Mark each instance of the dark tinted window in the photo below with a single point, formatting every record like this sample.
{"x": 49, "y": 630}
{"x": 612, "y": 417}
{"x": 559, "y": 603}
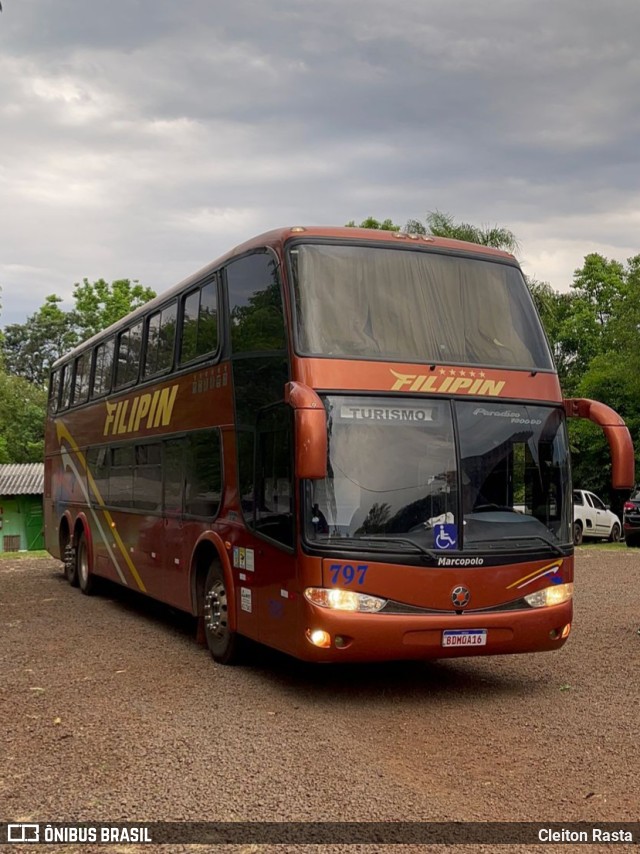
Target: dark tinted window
{"x": 173, "y": 462}
{"x": 81, "y": 379}
{"x": 255, "y": 304}
{"x": 54, "y": 390}
{"x": 65, "y": 397}
{"x": 121, "y": 476}
{"x": 98, "y": 463}
{"x": 274, "y": 476}
{"x": 203, "y": 473}
{"x": 577, "y": 498}
{"x": 161, "y": 335}
{"x": 103, "y": 368}
{"x": 128, "y": 362}
{"x": 199, "y": 323}
{"x": 147, "y": 477}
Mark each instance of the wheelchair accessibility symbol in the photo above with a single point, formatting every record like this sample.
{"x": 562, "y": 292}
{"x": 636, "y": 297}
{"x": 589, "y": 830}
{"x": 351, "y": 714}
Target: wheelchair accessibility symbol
{"x": 446, "y": 536}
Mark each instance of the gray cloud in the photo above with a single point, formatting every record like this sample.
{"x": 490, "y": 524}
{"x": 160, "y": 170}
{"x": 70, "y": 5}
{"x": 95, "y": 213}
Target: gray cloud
{"x": 143, "y": 138}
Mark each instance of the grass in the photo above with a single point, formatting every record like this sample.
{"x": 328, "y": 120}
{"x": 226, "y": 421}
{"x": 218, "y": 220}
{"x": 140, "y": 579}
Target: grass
{"x": 14, "y": 555}
{"x": 596, "y": 544}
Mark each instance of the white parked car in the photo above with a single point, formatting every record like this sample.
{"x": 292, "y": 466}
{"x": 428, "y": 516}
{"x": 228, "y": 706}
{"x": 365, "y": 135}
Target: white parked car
{"x": 592, "y": 518}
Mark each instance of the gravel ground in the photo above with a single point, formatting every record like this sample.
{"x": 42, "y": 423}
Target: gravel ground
{"x": 111, "y": 712}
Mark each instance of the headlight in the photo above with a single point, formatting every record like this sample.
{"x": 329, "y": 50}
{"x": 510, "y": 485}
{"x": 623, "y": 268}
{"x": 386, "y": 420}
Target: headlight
{"x": 344, "y": 600}
{"x": 555, "y": 595}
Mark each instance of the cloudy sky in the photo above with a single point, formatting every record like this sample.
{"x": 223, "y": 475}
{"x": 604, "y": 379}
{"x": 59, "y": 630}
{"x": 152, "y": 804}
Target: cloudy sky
{"x": 143, "y": 138}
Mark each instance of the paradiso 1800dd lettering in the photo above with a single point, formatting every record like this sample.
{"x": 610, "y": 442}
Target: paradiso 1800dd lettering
{"x": 450, "y": 384}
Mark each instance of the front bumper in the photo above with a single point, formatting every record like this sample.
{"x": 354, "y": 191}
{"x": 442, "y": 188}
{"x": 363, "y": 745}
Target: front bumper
{"x": 389, "y": 637}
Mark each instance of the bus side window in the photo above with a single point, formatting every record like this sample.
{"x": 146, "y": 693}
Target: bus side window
{"x": 54, "y": 391}
{"x": 199, "y": 322}
{"x": 65, "y": 397}
{"x": 203, "y": 479}
{"x": 81, "y": 379}
{"x": 255, "y": 304}
{"x": 98, "y": 467}
{"x": 128, "y": 360}
{"x": 161, "y": 334}
{"x": 103, "y": 368}
{"x": 274, "y": 475}
{"x": 173, "y": 453}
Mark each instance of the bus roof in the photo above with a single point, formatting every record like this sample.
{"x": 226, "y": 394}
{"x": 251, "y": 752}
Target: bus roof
{"x": 279, "y": 236}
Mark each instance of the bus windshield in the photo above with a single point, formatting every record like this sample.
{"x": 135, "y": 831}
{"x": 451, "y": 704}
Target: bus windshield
{"x": 396, "y": 474}
{"x": 414, "y": 306}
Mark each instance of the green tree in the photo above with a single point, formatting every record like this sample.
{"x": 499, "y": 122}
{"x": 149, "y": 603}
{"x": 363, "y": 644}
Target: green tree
{"x": 22, "y": 415}
{"x": 99, "y": 304}
{"x": 441, "y": 224}
{"x": 371, "y": 222}
{"x": 30, "y": 348}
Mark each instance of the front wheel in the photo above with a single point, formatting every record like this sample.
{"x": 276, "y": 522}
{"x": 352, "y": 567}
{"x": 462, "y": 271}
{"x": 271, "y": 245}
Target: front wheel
{"x": 614, "y": 536}
{"x": 577, "y": 533}
{"x": 224, "y": 644}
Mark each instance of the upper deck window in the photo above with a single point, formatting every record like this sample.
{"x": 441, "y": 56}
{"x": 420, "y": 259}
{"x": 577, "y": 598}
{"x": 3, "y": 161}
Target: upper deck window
{"x": 199, "y": 323}
{"x": 161, "y": 335}
{"x": 414, "y": 306}
{"x": 128, "y": 361}
{"x": 81, "y": 378}
{"x": 103, "y": 368}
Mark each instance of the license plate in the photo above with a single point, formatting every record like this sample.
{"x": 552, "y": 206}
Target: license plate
{"x": 464, "y": 637}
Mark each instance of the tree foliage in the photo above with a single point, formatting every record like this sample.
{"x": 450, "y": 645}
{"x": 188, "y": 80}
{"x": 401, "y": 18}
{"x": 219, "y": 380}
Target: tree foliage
{"x": 27, "y": 351}
{"x": 22, "y": 411}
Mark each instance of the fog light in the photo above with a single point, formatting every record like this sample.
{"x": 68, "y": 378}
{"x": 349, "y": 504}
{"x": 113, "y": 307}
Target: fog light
{"x": 318, "y": 637}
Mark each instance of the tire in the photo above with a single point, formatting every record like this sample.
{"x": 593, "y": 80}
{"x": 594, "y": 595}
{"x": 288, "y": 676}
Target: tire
{"x": 224, "y": 644}
{"x": 614, "y": 536}
{"x": 87, "y": 581}
{"x": 71, "y": 565}
{"x": 577, "y": 533}
{"x": 632, "y": 541}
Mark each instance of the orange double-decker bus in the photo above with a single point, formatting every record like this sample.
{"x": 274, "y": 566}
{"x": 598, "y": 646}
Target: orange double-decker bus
{"x": 346, "y": 444}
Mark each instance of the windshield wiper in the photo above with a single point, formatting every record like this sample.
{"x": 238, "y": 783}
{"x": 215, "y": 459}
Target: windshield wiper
{"x": 383, "y": 538}
{"x": 555, "y": 548}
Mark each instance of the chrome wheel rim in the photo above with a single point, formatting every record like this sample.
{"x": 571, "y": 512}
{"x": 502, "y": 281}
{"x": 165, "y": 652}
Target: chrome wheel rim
{"x": 215, "y": 610}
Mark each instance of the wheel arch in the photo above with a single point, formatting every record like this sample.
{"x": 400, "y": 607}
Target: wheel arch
{"x": 208, "y": 548}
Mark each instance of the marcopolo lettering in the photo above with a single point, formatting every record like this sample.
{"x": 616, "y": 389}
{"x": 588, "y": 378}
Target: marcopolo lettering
{"x": 460, "y": 561}
{"x": 142, "y": 412}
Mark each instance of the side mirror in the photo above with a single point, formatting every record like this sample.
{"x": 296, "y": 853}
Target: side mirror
{"x": 616, "y": 433}
{"x": 310, "y": 420}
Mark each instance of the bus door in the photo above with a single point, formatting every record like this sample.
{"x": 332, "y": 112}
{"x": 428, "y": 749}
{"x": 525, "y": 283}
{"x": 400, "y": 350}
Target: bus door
{"x": 274, "y": 521}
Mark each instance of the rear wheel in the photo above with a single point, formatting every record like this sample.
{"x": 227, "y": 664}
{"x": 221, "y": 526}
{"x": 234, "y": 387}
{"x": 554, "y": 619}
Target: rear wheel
{"x": 632, "y": 541}
{"x": 86, "y": 579}
{"x": 614, "y": 536}
{"x": 70, "y": 564}
{"x": 577, "y": 533}
{"x": 224, "y": 644}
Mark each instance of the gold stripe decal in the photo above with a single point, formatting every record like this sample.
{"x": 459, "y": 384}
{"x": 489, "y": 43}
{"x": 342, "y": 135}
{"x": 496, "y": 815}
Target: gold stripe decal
{"x": 63, "y": 434}
{"x": 537, "y": 573}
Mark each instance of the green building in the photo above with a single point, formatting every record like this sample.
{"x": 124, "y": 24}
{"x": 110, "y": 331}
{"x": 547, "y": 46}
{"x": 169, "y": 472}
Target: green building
{"x": 21, "y": 518}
